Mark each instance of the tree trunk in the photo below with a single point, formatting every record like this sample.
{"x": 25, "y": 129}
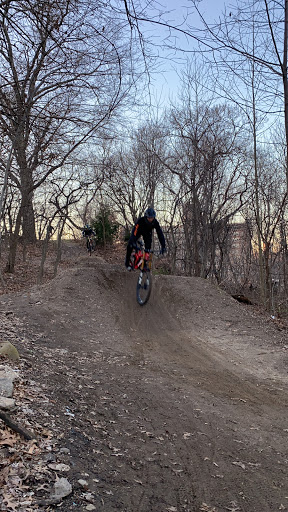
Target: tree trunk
{"x": 14, "y": 243}
{"x": 28, "y": 218}
{"x": 2, "y": 199}
{"x": 44, "y": 253}
{"x": 266, "y": 254}
{"x": 263, "y": 289}
{"x": 59, "y": 246}
{"x": 285, "y": 84}
{"x": 26, "y": 187}
{"x": 195, "y": 228}
{"x": 173, "y": 253}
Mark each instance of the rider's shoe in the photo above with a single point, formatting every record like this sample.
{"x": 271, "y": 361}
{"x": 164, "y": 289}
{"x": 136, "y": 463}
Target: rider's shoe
{"x": 129, "y": 268}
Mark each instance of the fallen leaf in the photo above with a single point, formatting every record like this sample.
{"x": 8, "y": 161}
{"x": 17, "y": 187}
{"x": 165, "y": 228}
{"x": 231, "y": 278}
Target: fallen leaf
{"x": 240, "y": 464}
{"x": 10, "y": 504}
{"x": 206, "y": 508}
{"x": 9, "y": 440}
{"x": 59, "y": 467}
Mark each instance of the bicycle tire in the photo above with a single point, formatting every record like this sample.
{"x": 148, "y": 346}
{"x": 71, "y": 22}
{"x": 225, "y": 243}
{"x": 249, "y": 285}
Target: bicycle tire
{"x": 144, "y": 286}
{"x": 89, "y": 246}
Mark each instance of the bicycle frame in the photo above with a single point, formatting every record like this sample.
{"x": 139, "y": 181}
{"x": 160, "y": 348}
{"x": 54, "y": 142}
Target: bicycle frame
{"x": 142, "y": 259}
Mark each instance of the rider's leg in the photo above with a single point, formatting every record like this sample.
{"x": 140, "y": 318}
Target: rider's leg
{"x": 128, "y": 255}
{"x": 132, "y": 241}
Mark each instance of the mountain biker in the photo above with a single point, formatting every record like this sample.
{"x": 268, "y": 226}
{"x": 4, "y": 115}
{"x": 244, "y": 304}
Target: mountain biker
{"x": 88, "y": 231}
{"x": 144, "y": 227}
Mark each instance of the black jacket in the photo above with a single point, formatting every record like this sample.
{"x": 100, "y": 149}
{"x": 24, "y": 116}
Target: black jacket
{"x": 144, "y": 228}
{"x": 88, "y": 232}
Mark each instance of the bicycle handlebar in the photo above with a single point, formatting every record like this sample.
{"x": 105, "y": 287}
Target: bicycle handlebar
{"x": 141, "y": 248}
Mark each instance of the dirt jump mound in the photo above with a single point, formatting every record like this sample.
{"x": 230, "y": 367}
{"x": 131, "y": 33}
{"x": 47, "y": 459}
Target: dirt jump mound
{"x": 179, "y": 405}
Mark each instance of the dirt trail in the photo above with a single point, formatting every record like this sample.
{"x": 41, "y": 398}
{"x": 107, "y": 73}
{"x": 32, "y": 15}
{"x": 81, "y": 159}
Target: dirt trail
{"x": 180, "y": 405}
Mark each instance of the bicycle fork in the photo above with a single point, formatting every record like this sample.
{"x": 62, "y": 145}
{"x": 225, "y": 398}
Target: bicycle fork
{"x": 146, "y": 284}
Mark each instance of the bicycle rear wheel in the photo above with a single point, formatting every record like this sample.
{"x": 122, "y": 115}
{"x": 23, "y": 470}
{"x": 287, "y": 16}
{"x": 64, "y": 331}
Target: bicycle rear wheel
{"x": 144, "y": 285}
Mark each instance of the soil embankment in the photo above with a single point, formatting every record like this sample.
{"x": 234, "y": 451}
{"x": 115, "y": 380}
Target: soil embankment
{"x": 180, "y": 405}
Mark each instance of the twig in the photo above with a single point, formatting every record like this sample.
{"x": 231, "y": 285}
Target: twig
{"x": 20, "y": 430}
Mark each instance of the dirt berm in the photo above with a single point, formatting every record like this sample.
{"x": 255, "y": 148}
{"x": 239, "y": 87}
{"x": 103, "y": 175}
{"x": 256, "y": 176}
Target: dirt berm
{"x": 180, "y": 405}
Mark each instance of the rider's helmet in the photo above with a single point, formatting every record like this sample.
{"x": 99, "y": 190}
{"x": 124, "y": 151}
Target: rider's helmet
{"x": 150, "y": 213}
{"x": 86, "y": 226}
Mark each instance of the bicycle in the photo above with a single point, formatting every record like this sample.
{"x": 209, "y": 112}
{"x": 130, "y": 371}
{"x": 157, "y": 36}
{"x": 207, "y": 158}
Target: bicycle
{"x": 90, "y": 244}
{"x": 141, "y": 259}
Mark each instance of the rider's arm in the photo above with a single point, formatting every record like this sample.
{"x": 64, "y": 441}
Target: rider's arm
{"x": 135, "y": 230}
{"x": 160, "y": 234}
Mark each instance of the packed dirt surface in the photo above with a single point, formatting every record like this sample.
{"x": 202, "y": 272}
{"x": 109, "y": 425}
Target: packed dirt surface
{"x": 180, "y": 405}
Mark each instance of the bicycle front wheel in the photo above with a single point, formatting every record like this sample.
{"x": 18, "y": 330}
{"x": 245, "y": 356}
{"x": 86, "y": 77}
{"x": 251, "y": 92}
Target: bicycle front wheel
{"x": 144, "y": 285}
{"x": 89, "y": 247}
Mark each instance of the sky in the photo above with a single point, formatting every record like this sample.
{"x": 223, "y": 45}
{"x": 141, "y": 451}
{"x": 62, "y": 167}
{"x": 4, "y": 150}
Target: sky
{"x": 211, "y": 8}
{"x": 166, "y": 81}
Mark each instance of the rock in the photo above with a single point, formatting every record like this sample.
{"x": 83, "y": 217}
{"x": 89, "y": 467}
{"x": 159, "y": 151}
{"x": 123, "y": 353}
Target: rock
{"x": 83, "y": 483}
{"x": 6, "y": 387}
{"x": 90, "y": 507}
{"x": 7, "y": 403}
{"x": 59, "y": 467}
{"x": 89, "y": 496}
{"x": 7, "y": 377}
{"x": 64, "y": 450}
{"x": 6, "y": 370}
{"x": 8, "y": 350}
{"x": 62, "y": 488}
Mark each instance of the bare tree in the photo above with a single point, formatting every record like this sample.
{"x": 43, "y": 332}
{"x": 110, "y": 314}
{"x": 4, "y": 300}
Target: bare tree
{"x": 65, "y": 68}
{"x": 208, "y": 161}
{"x": 272, "y": 203}
{"x": 64, "y": 194}
{"x": 134, "y": 171}
{"x": 255, "y": 32}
